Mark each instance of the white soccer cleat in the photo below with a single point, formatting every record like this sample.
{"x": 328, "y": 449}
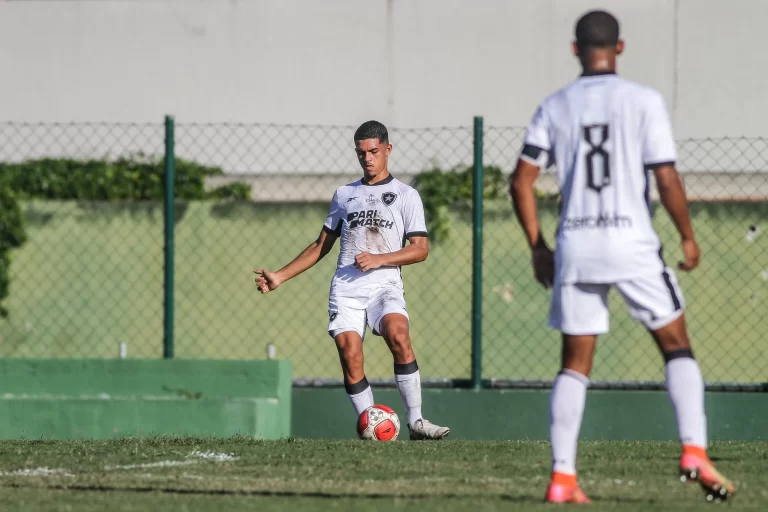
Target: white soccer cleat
{"x": 423, "y": 429}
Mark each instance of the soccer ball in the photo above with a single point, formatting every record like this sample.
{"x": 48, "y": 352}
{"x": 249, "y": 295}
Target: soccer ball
{"x": 378, "y": 423}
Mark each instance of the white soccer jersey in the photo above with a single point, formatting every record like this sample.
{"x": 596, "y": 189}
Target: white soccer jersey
{"x": 376, "y": 219}
{"x": 604, "y": 134}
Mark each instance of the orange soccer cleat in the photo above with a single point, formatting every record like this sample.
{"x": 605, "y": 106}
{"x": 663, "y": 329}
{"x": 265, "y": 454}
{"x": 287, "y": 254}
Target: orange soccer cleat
{"x": 695, "y": 466}
{"x": 563, "y": 488}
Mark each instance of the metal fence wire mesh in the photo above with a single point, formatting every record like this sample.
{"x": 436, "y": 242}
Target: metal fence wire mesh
{"x": 726, "y": 183}
{"x": 90, "y": 275}
{"x": 294, "y": 171}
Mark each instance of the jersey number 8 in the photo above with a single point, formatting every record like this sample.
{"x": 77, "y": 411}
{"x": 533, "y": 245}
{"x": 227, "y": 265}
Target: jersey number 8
{"x": 597, "y": 159}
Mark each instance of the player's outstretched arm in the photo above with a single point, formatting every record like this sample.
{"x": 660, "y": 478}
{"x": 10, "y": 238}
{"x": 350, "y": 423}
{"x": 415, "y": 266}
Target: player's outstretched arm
{"x": 268, "y": 281}
{"x": 416, "y": 251}
{"x": 672, "y": 196}
{"x": 524, "y": 201}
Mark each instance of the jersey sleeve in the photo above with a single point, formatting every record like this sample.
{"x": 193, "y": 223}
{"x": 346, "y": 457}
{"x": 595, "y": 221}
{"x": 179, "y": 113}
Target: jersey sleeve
{"x": 332, "y": 222}
{"x": 537, "y": 146}
{"x": 413, "y": 216}
{"x": 658, "y": 143}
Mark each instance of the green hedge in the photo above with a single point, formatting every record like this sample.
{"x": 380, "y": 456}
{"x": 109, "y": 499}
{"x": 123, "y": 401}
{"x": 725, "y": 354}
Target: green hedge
{"x": 11, "y": 235}
{"x": 440, "y": 189}
{"x": 136, "y": 177}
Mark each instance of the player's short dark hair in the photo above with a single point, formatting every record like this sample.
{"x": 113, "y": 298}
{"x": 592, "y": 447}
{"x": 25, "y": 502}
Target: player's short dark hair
{"x": 372, "y": 130}
{"x": 597, "y": 29}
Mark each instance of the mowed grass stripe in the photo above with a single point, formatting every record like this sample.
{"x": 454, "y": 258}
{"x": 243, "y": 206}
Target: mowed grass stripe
{"x": 436, "y": 476}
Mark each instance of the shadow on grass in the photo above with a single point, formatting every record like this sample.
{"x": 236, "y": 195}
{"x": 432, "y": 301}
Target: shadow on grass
{"x": 285, "y": 494}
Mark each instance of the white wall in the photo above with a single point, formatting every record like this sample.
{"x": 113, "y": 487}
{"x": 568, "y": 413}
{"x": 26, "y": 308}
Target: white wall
{"x": 409, "y": 63}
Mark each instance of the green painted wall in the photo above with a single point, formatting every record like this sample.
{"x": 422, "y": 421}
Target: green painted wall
{"x": 524, "y": 414}
{"x": 98, "y": 398}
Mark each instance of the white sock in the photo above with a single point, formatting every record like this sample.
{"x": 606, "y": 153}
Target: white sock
{"x": 361, "y": 395}
{"x": 569, "y": 394}
{"x": 686, "y": 390}
{"x": 409, "y": 385}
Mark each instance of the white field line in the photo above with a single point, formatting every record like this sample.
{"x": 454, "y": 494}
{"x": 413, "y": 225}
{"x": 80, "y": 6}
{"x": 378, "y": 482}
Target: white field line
{"x": 45, "y": 471}
{"x": 159, "y": 464}
{"x": 218, "y": 457}
{"x": 194, "y": 457}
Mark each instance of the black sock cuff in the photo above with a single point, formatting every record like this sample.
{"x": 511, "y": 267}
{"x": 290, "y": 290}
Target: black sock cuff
{"x": 678, "y": 354}
{"x": 357, "y": 387}
{"x": 407, "y": 368}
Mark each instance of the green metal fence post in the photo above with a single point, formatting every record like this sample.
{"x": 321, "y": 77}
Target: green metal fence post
{"x": 170, "y": 174}
{"x": 477, "y": 255}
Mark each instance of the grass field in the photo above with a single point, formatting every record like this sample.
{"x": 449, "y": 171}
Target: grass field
{"x": 91, "y": 277}
{"x": 173, "y": 474}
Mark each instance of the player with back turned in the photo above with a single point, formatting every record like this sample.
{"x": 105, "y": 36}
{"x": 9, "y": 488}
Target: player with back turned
{"x": 605, "y": 134}
{"x": 373, "y": 217}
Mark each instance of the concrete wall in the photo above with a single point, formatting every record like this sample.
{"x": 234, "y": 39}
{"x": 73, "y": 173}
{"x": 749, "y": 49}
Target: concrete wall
{"x": 409, "y": 63}
{"x": 107, "y": 398}
{"x": 524, "y": 414}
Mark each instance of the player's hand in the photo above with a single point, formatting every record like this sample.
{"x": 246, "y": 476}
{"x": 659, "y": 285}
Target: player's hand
{"x": 692, "y": 255}
{"x": 366, "y": 261}
{"x": 544, "y": 264}
{"x": 266, "y": 281}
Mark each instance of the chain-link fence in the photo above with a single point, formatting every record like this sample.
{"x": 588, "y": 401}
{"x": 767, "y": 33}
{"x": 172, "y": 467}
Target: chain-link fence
{"x": 90, "y": 275}
{"x": 294, "y": 171}
{"x": 726, "y": 184}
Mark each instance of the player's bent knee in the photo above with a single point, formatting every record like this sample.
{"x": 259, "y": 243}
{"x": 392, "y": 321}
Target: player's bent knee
{"x": 402, "y": 339}
{"x": 400, "y": 343}
{"x": 351, "y": 357}
{"x": 351, "y": 352}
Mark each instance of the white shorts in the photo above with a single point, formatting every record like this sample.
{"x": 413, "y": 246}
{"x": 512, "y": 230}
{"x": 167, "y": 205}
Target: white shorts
{"x": 582, "y": 308}
{"x": 350, "y": 314}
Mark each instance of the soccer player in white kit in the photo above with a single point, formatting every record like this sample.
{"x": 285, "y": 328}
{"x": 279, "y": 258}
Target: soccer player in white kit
{"x": 374, "y": 217}
{"x": 605, "y": 134}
